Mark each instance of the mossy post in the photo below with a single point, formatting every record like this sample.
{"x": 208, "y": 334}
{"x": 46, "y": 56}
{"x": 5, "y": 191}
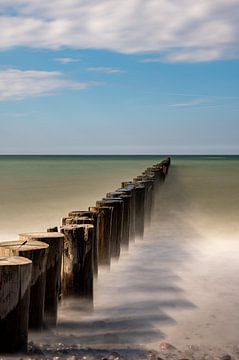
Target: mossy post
{"x": 15, "y": 283}
{"x": 77, "y": 274}
{"x": 103, "y": 233}
{"x": 55, "y": 240}
{"x": 37, "y": 252}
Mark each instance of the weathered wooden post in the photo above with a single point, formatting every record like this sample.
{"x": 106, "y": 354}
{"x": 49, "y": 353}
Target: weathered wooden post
{"x": 156, "y": 184}
{"x": 52, "y": 229}
{"x": 104, "y": 226}
{"x": 77, "y": 275}
{"x": 148, "y": 197}
{"x": 162, "y": 168}
{"x": 166, "y": 163}
{"x": 15, "y": 282}
{"x": 73, "y": 215}
{"x": 150, "y": 179}
{"x": 155, "y": 171}
{"x": 126, "y": 215}
{"x": 85, "y": 217}
{"x": 139, "y": 207}
{"x": 117, "y": 223}
{"x": 77, "y": 213}
{"x": 129, "y": 189}
{"x": 55, "y": 240}
{"x": 160, "y": 172}
{"x": 35, "y": 251}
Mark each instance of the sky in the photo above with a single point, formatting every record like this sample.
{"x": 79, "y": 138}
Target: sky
{"x": 119, "y": 77}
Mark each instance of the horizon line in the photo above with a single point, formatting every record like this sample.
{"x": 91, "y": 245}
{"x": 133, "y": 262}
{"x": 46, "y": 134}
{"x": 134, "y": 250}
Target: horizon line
{"x": 168, "y": 155}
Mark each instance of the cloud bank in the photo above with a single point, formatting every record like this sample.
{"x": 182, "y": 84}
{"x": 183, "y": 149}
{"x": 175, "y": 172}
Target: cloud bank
{"x": 177, "y": 30}
{"x": 17, "y": 84}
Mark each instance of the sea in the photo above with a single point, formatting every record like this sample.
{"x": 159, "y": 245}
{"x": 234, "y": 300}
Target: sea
{"x": 179, "y": 285}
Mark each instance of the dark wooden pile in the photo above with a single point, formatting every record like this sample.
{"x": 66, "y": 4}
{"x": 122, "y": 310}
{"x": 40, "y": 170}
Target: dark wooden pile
{"x": 39, "y": 269}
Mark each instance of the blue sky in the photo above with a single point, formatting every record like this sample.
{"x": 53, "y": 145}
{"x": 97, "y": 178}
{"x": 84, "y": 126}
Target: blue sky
{"x": 93, "y": 77}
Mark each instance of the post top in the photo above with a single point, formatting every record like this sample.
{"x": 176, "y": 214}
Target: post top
{"x": 77, "y": 226}
{"x": 111, "y": 200}
{"x": 117, "y": 193}
{"x": 83, "y": 218}
{"x": 40, "y": 235}
{"x": 14, "y": 260}
{"x": 21, "y": 245}
{"x": 105, "y": 207}
{"x": 79, "y": 213}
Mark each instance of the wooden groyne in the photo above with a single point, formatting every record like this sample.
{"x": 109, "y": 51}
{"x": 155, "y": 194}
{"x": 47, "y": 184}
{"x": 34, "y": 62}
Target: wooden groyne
{"x": 42, "y": 268}
{"x": 55, "y": 241}
{"x": 37, "y": 252}
{"x": 15, "y": 275}
{"x": 77, "y": 271}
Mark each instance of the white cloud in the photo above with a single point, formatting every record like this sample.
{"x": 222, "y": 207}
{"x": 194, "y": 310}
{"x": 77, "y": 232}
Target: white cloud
{"x": 67, "y": 60}
{"x": 192, "y": 103}
{"x": 18, "y": 84}
{"x": 105, "y": 70}
{"x": 189, "y": 55}
{"x": 178, "y": 30}
{"x": 207, "y": 102}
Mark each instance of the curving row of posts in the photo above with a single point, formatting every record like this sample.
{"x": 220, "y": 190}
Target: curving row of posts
{"x": 40, "y": 269}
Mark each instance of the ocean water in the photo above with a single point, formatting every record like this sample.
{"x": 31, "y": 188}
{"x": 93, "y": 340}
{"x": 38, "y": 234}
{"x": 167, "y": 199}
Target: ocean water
{"x": 37, "y": 191}
{"x": 180, "y": 284}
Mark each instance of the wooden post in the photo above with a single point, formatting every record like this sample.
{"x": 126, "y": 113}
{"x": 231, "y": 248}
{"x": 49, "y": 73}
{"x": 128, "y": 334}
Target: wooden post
{"x": 148, "y": 197}
{"x": 77, "y": 276}
{"x": 15, "y": 282}
{"x": 85, "y": 217}
{"x": 117, "y": 223}
{"x": 104, "y": 226}
{"x": 35, "y": 251}
{"x": 160, "y": 171}
{"x": 155, "y": 171}
{"x": 130, "y": 190}
{"x": 139, "y": 207}
{"x": 126, "y": 215}
{"x": 151, "y": 192}
{"x": 55, "y": 240}
{"x": 76, "y": 213}
{"x": 53, "y": 229}
{"x": 78, "y": 220}
{"x": 152, "y": 175}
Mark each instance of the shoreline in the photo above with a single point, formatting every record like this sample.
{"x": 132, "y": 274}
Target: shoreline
{"x": 165, "y": 351}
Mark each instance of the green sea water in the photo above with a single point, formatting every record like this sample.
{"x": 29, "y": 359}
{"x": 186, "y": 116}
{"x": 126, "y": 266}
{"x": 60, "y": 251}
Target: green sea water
{"x": 36, "y": 191}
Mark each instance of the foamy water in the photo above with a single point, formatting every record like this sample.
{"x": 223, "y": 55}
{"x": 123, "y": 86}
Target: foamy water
{"x": 180, "y": 284}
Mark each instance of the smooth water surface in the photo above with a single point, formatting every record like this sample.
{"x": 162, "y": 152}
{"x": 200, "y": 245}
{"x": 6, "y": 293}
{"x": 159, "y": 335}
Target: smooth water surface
{"x": 37, "y": 191}
{"x": 180, "y": 284}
